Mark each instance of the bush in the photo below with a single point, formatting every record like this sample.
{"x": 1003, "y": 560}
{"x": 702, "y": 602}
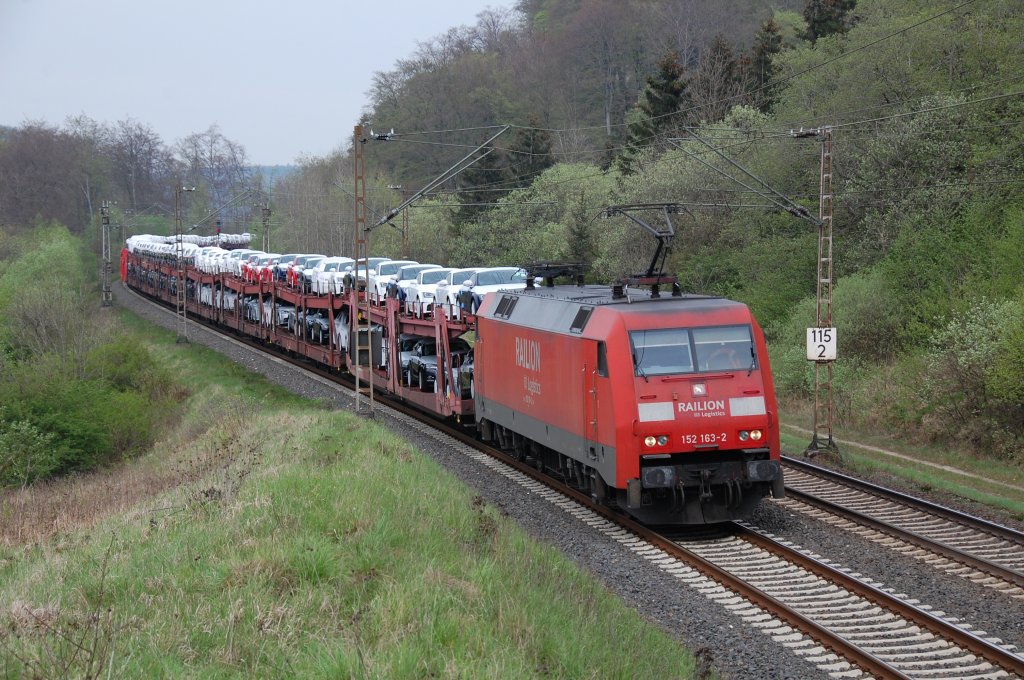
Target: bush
{"x": 794, "y": 375}
{"x": 864, "y": 310}
{"x": 971, "y": 360}
{"x": 887, "y": 396}
{"x": 865, "y": 330}
{"x": 26, "y": 453}
{"x": 127, "y": 366}
{"x": 115, "y": 412}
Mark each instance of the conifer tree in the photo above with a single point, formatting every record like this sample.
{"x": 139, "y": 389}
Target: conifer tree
{"x": 664, "y": 95}
{"x": 580, "y": 247}
{"x": 763, "y": 69}
{"x": 825, "y": 17}
{"x": 529, "y": 152}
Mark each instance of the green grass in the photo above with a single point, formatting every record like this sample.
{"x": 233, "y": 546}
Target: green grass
{"x": 308, "y": 543}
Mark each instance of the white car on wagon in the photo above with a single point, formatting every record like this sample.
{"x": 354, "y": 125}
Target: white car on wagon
{"x": 446, "y": 293}
{"x": 489, "y": 280}
{"x": 377, "y": 287}
{"x": 419, "y": 297}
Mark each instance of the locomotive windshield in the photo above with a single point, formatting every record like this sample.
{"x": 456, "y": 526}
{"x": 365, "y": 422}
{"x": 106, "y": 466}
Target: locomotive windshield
{"x": 669, "y": 351}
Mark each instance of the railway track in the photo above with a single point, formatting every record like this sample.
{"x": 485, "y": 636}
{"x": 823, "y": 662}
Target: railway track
{"x": 985, "y": 553}
{"x": 841, "y": 623}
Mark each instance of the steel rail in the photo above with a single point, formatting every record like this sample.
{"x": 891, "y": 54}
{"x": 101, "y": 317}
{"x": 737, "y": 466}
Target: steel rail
{"x": 999, "y": 530}
{"x": 983, "y": 648}
{"x": 937, "y": 547}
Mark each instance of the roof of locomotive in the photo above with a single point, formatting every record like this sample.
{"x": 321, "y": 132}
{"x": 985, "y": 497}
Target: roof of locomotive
{"x": 566, "y": 309}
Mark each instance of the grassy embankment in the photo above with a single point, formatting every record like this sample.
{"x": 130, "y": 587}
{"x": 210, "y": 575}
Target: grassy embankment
{"x": 267, "y": 536}
{"x": 991, "y": 482}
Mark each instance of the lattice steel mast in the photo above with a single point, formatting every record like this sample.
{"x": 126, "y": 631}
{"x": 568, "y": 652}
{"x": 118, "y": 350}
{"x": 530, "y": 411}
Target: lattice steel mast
{"x": 362, "y": 342}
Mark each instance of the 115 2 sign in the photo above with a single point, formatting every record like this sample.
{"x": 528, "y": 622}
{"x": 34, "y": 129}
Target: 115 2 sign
{"x": 821, "y": 344}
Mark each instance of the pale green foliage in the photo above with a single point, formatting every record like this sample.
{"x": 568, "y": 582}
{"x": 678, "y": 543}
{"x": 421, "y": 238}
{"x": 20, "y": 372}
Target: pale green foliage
{"x": 1000, "y": 230}
{"x": 1004, "y": 376}
{"x": 43, "y": 295}
{"x": 866, "y": 330}
{"x": 430, "y": 232}
{"x": 794, "y": 375}
{"x": 966, "y": 345}
{"x": 792, "y": 25}
{"x": 961, "y": 360}
{"x": 867, "y": 317}
{"x": 746, "y": 119}
{"x": 47, "y": 258}
{"x": 26, "y": 452}
{"x": 533, "y": 224}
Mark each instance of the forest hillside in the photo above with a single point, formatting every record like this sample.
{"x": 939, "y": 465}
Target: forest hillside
{"x": 692, "y": 102}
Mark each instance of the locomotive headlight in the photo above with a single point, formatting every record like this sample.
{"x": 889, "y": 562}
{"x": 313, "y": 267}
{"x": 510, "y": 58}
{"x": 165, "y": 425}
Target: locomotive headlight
{"x": 662, "y": 440}
{"x": 744, "y": 436}
{"x": 756, "y": 435}
{"x": 650, "y": 441}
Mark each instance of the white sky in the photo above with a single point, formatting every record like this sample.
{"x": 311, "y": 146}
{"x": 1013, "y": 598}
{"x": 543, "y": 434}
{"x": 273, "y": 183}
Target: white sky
{"x": 283, "y": 78}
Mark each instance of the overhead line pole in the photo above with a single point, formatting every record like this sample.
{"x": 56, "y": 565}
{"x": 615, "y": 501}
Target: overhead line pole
{"x": 265, "y": 215}
{"x": 107, "y": 295}
{"x": 179, "y": 253}
{"x": 361, "y": 240}
{"x": 823, "y": 335}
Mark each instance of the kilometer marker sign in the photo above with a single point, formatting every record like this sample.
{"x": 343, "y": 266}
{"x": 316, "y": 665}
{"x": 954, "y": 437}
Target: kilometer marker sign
{"x": 821, "y": 344}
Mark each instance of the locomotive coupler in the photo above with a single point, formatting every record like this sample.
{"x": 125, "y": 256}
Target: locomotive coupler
{"x": 705, "y": 484}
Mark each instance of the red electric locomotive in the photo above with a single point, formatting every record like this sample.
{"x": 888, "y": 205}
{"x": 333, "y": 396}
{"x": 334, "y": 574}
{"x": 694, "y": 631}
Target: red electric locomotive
{"x": 663, "y": 405}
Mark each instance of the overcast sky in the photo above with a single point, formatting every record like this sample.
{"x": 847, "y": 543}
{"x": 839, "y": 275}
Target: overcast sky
{"x": 282, "y": 78}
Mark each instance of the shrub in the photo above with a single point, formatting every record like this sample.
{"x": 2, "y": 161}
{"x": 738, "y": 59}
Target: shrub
{"x": 865, "y": 312}
{"x": 26, "y": 453}
{"x": 126, "y": 365}
{"x": 887, "y": 396}
{"x": 87, "y": 422}
{"x": 971, "y": 359}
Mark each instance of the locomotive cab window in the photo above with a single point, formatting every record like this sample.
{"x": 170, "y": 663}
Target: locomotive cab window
{"x": 661, "y": 352}
{"x": 670, "y": 351}
{"x": 724, "y": 348}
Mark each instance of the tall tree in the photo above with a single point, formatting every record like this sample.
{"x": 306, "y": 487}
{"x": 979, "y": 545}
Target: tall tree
{"x": 664, "y": 96}
{"x": 529, "y": 152}
{"x": 142, "y": 164}
{"x": 38, "y": 177}
{"x": 214, "y": 162}
{"x": 580, "y": 246}
{"x": 825, "y": 17}
{"x": 718, "y": 84}
{"x": 763, "y": 69}
{"x": 91, "y": 139}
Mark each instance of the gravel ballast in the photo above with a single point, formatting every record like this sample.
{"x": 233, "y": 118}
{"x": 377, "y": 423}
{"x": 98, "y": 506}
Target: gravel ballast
{"x": 733, "y": 648}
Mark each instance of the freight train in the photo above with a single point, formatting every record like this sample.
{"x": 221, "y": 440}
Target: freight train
{"x": 660, "y": 405}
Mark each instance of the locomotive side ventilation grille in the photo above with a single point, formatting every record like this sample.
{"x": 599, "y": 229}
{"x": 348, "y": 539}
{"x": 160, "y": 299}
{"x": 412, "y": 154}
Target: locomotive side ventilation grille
{"x": 582, "y": 317}
{"x": 505, "y": 306}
